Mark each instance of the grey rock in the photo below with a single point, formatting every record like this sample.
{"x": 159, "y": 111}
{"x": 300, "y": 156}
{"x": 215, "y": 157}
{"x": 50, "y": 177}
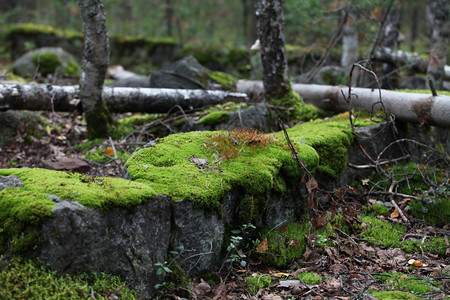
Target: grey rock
{"x": 10, "y": 181}
{"x": 121, "y": 242}
{"x": 24, "y": 65}
{"x": 200, "y": 235}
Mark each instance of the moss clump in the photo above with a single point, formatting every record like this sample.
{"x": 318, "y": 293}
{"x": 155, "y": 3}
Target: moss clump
{"x": 237, "y": 159}
{"x": 393, "y": 295}
{"x": 227, "y": 81}
{"x": 214, "y": 118}
{"x": 99, "y": 121}
{"x": 47, "y": 62}
{"x": 382, "y": 233}
{"x": 72, "y": 68}
{"x": 285, "y": 244}
{"x": 26, "y": 279}
{"x": 330, "y": 139}
{"x": 299, "y": 110}
{"x": 251, "y": 208}
{"x": 21, "y": 212}
{"x": 410, "y": 284}
{"x": 98, "y": 193}
{"x": 310, "y": 278}
{"x": 434, "y": 211}
{"x": 257, "y": 282}
{"x": 376, "y": 210}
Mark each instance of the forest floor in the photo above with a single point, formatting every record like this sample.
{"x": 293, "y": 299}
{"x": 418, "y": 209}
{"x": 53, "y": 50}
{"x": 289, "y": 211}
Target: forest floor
{"x": 345, "y": 267}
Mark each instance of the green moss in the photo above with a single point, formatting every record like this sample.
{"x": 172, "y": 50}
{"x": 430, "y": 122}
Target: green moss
{"x": 21, "y": 212}
{"x": 376, "y": 210}
{"x": 310, "y": 277}
{"x": 434, "y": 211}
{"x": 99, "y": 121}
{"x": 227, "y": 81}
{"x": 99, "y": 193}
{"x": 285, "y": 244}
{"x": 409, "y": 284}
{"x": 47, "y": 62}
{"x": 382, "y": 233}
{"x": 72, "y": 68}
{"x": 330, "y": 139}
{"x": 26, "y": 279}
{"x": 257, "y": 282}
{"x": 298, "y": 110}
{"x": 215, "y": 118}
{"x": 235, "y": 160}
{"x": 393, "y": 295}
{"x": 251, "y": 208}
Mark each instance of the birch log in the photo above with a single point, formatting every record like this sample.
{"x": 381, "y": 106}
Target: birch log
{"x": 145, "y": 100}
{"x": 410, "y": 107}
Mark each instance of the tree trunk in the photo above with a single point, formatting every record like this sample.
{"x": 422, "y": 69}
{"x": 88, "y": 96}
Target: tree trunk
{"x": 440, "y": 38}
{"x": 144, "y": 100}
{"x": 390, "y": 41}
{"x": 270, "y": 27}
{"x": 408, "y": 60}
{"x": 350, "y": 43}
{"x": 95, "y": 63}
{"x": 410, "y": 107}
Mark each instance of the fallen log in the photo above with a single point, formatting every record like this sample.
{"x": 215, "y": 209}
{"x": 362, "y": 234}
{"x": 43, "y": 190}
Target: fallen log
{"x": 410, "y": 107}
{"x": 409, "y": 60}
{"x": 145, "y": 100}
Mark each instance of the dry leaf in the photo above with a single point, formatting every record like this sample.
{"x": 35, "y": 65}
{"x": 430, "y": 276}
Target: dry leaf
{"x": 109, "y": 151}
{"x": 416, "y": 263}
{"x": 262, "y": 247}
{"x": 395, "y": 213}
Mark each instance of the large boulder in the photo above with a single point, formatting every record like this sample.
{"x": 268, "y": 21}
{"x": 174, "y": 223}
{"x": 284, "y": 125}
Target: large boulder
{"x": 44, "y": 61}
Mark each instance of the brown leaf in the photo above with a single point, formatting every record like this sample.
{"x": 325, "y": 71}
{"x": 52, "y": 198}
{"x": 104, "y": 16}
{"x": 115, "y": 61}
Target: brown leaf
{"x": 312, "y": 185}
{"x": 262, "y": 247}
{"x": 395, "y": 213}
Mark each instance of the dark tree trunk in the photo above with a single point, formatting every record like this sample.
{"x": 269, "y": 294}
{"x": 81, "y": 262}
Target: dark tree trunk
{"x": 390, "y": 41}
{"x": 270, "y": 28}
{"x": 440, "y": 37}
{"x": 95, "y": 63}
{"x": 169, "y": 17}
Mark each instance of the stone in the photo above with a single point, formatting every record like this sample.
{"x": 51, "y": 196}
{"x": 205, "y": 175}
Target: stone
{"x": 10, "y": 181}
{"x": 121, "y": 242}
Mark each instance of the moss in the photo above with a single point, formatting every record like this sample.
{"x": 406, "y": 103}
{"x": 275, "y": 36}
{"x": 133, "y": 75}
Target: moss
{"x": 330, "y": 139}
{"x": 27, "y": 279}
{"x": 215, "y": 118}
{"x": 47, "y": 62}
{"x": 310, "y": 277}
{"x": 227, "y": 81}
{"x": 435, "y": 211}
{"x": 376, "y": 210}
{"x": 285, "y": 244}
{"x": 298, "y": 110}
{"x": 21, "y": 212}
{"x": 410, "y": 284}
{"x": 251, "y": 208}
{"x": 382, "y": 233}
{"x": 98, "y": 193}
{"x": 237, "y": 159}
{"x": 257, "y": 282}
{"x": 393, "y": 295}
{"x": 72, "y": 68}
{"x": 99, "y": 121}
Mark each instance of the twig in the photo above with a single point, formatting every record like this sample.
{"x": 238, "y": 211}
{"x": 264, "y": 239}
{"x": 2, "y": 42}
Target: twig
{"x": 113, "y": 147}
{"x": 432, "y": 88}
{"x": 301, "y": 165}
{"x": 394, "y": 183}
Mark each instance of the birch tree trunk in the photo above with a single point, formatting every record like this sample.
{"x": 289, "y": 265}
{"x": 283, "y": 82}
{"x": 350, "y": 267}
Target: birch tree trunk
{"x": 95, "y": 64}
{"x": 439, "y": 11}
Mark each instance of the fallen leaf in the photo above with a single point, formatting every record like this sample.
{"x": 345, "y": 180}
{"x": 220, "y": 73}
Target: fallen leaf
{"x": 109, "y": 151}
{"x": 289, "y": 283}
{"x": 395, "y": 213}
{"x": 262, "y": 247}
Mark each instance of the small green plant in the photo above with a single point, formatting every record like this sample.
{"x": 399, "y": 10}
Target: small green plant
{"x": 309, "y": 278}
{"x": 257, "y": 282}
{"x": 235, "y": 254}
{"x": 171, "y": 272}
